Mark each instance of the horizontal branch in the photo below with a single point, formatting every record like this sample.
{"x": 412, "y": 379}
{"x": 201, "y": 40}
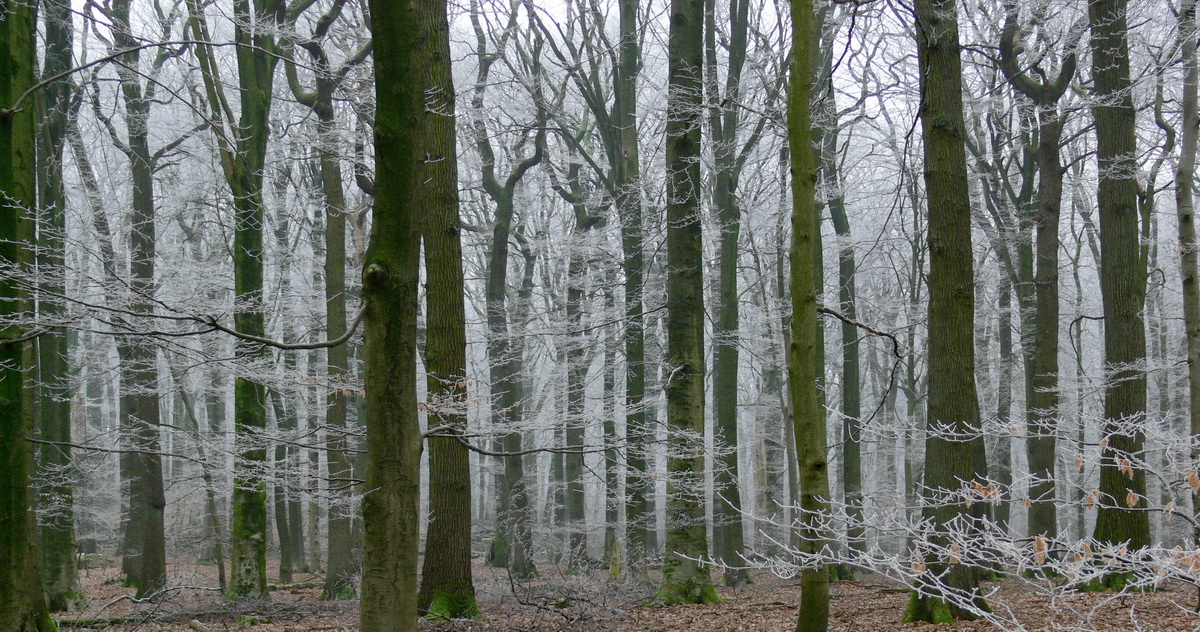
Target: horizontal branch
{"x": 867, "y": 328}
{"x": 288, "y": 346}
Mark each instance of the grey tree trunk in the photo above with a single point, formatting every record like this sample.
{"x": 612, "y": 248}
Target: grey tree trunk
{"x": 145, "y": 544}
{"x": 1186, "y": 209}
{"x": 510, "y": 546}
{"x": 724, "y": 118}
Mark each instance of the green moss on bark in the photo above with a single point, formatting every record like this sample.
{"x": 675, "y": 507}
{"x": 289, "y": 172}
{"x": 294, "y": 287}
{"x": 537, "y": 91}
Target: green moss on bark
{"x": 926, "y": 609}
{"x": 452, "y": 604}
{"x": 687, "y": 591}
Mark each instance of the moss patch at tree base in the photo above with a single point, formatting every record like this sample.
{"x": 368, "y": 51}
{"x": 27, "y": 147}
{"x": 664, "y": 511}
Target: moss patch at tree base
{"x": 1115, "y": 582}
{"x": 930, "y": 609}
{"x": 675, "y": 593}
{"x": 841, "y": 573}
{"x": 449, "y": 605}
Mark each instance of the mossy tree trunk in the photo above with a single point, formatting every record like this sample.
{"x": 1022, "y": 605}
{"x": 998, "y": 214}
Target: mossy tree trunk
{"x": 22, "y": 603}
{"x": 60, "y": 574}
{"x": 391, "y": 507}
{"x": 1122, "y": 516}
{"x": 685, "y": 578}
{"x": 243, "y": 146}
{"x": 953, "y": 402}
{"x": 446, "y": 586}
{"x": 804, "y": 371}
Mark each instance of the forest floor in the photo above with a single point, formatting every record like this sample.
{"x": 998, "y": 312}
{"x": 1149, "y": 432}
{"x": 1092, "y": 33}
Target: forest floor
{"x": 560, "y": 603}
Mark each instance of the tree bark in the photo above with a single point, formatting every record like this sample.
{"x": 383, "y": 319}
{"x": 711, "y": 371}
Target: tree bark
{"x": 852, "y": 486}
{"x": 22, "y": 604}
{"x": 953, "y": 402}
{"x": 339, "y": 574}
{"x": 804, "y": 370}
{"x": 685, "y": 579}
{"x": 446, "y": 587}
{"x": 723, "y": 123}
{"x": 60, "y": 574}
{"x": 511, "y": 545}
{"x": 243, "y": 154}
{"x": 1121, "y": 516}
{"x": 1185, "y": 206}
{"x": 1042, "y": 398}
{"x": 639, "y": 490}
{"x": 145, "y": 541}
{"x": 391, "y": 507}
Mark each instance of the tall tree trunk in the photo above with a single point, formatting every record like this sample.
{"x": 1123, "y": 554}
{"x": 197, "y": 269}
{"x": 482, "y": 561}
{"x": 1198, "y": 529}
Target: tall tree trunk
{"x": 289, "y": 524}
{"x": 22, "y": 603}
{"x": 446, "y": 587}
{"x": 852, "y": 485}
{"x": 639, "y": 486}
{"x": 1042, "y": 395}
{"x": 1002, "y": 456}
{"x": 723, "y": 123}
{"x": 612, "y": 472}
{"x": 1122, "y": 516}
{"x": 60, "y": 574}
{"x": 511, "y": 545}
{"x": 1186, "y": 208}
{"x": 685, "y": 579}
{"x": 283, "y": 473}
{"x": 391, "y": 509}
{"x": 243, "y": 150}
{"x": 145, "y": 538}
{"x": 575, "y": 528}
{"x": 249, "y": 553}
{"x": 1042, "y": 398}
{"x": 953, "y": 402}
{"x": 804, "y": 370}
{"x": 340, "y": 569}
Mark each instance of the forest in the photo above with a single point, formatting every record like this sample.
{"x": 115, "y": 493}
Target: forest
{"x": 631, "y": 315}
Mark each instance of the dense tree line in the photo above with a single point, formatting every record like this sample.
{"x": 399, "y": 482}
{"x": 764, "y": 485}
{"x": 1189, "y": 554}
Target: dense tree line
{"x": 660, "y": 288}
